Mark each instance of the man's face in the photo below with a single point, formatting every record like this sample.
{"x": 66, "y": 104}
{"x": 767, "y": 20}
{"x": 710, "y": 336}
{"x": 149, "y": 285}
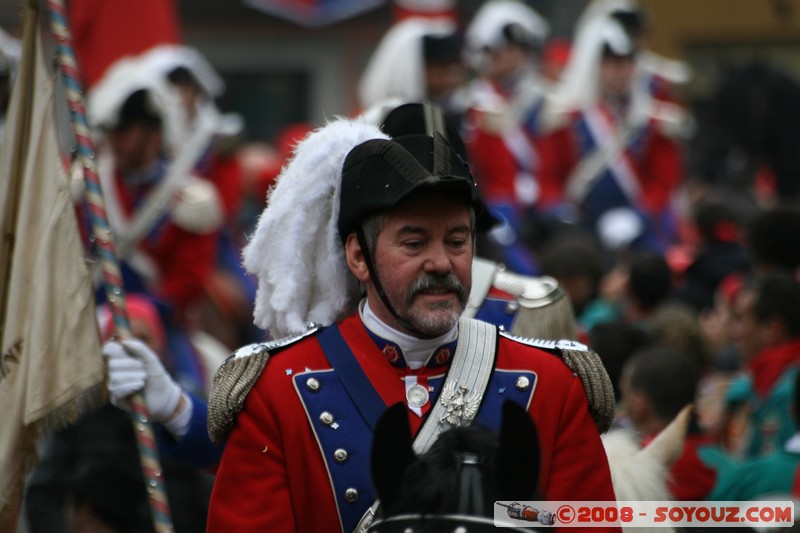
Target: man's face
{"x": 190, "y": 98}
{"x": 134, "y": 147}
{"x": 506, "y": 61}
{"x": 746, "y": 331}
{"x": 616, "y": 75}
{"x": 442, "y": 80}
{"x": 423, "y": 257}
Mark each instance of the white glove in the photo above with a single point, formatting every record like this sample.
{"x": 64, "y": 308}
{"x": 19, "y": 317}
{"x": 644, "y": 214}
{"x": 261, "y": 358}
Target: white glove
{"x": 132, "y": 366}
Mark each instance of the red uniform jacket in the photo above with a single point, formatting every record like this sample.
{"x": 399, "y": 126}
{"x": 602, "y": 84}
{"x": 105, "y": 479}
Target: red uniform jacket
{"x": 498, "y": 138}
{"x": 184, "y": 260}
{"x": 278, "y": 472}
{"x": 655, "y": 160}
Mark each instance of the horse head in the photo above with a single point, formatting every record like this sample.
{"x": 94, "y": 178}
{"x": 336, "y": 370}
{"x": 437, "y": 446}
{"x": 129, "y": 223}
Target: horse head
{"x": 640, "y": 474}
{"x": 464, "y": 472}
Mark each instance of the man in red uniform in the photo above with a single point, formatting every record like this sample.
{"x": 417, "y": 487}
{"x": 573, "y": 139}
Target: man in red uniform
{"x": 502, "y": 109}
{"x": 612, "y": 159}
{"x": 397, "y": 217}
{"x": 175, "y": 256}
{"x": 165, "y": 219}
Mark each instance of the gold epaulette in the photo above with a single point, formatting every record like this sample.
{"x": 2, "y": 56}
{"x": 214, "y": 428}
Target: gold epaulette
{"x": 236, "y": 378}
{"x": 586, "y": 364}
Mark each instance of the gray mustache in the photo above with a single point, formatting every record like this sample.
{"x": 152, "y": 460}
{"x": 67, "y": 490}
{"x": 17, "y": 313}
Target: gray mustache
{"x": 431, "y": 282}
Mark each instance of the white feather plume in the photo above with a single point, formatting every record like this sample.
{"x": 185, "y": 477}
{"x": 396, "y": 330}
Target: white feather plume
{"x": 126, "y": 76}
{"x": 579, "y": 82}
{"x": 396, "y": 68}
{"x": 486, "y": 29}
{"x": 165, "y": 58}
{"x": 296, "y": 251}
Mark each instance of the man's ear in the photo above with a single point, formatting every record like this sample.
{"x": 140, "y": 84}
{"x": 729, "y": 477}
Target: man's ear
{"x": 354, "y": 255}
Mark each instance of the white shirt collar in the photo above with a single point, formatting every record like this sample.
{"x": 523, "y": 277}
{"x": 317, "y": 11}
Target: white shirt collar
{"x": 416, "y": 351}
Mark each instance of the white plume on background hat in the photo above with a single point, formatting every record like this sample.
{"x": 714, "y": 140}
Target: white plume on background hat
{"x": 296, "y": 252}
{"x": 602, "y": 9}
{"x": 163, "y": 59}
{"x": 486, "y": 29}
{"x": 579, "y": 85}
{"x": 167, "y": 57}
{"x": 672, "y": 70}
{"x": 397, "y": 67}
{"x": 596, "y": 28}
{"x": 121, "y": 80}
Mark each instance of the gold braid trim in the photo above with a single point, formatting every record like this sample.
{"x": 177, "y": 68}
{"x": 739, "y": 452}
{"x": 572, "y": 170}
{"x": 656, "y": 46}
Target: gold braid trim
{"x": 235, "y": 379}
{"x": 583, "y": 362}
{"x": 596, "y": 383}
{"x": 232, "y": 383}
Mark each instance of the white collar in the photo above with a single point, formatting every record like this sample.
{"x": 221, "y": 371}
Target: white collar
{"x": 415, "y": 351}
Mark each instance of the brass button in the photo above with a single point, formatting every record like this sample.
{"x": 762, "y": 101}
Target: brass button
{"x": 351, "y": 495}
{"x": 326, "y": 418}
{"x": 340, "y": 455}
{"x": 312, "y": 384}
{"x": 522, "y": 383}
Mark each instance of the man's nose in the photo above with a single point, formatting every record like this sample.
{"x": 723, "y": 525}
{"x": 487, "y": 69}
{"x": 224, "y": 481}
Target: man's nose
{"x": 438, "y": 261}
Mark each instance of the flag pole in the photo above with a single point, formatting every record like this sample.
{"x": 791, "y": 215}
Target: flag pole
{"x": 101, "y": 233}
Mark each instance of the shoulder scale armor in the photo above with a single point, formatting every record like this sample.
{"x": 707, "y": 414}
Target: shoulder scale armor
{"x": 235, "y": 379}
{"x": 583, "y": 362}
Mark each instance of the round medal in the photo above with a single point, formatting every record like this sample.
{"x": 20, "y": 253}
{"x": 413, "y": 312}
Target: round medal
{"x": 417, "y": 395}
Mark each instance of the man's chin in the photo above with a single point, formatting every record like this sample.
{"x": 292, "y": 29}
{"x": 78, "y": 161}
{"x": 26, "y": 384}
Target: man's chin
{"x": 436, "y": 322}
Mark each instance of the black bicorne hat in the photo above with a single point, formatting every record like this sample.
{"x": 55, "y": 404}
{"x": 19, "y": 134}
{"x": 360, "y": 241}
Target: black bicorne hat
{"x": 415, "y": 118}
{"x": 440, "y": 49}
{"x": 379, "y": 174}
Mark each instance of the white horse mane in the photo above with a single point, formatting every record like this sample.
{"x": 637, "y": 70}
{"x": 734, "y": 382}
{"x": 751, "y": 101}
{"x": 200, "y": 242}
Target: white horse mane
{"x": 640, "y": 474}
{"x": 636, "y": 477}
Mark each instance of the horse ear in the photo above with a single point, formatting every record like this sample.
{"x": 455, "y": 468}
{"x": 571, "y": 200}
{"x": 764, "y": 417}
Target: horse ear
{"x": 517, "y": 458}
{"x": 667, "y": 446}
{"x": 392, "y": 453}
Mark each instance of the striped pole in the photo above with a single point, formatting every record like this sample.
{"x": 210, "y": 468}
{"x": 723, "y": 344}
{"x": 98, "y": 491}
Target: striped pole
{"x": 101, "y": 232}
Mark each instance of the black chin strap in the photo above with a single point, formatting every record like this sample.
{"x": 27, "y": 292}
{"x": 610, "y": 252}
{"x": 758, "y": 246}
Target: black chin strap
{"x": 376, "y": 281}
